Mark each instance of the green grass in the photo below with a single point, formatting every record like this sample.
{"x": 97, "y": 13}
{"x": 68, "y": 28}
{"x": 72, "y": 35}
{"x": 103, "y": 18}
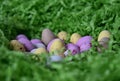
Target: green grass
{"x": 86, "y": 17}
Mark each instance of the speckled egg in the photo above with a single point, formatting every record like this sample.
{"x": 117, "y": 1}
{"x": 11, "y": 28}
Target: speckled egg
{"x": 21, "y": 36}
{"x": 103, "y": 34}
{"x": 47, "y": 36}
{"x": 62, "y": 35}
{"x": 74, "y": 38}
{"x": 56, "y": 45}
{"x": 27, "y": 44}
{"x": 74, "y": 49}
{"x": 84, "y": 43}
{"x": 40, "y": 51}
{"x": 17, "y": 46}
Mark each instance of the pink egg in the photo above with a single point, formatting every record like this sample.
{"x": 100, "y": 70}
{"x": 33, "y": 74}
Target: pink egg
{"x": 28, "y": 45}
{"x": 73, "y": 48}
{"x": 84, "y": 43}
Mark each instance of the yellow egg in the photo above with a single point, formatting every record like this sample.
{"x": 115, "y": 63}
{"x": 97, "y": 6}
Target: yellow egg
{"x": 103, "y": 34}
{"x": 40, "y": 51}
{"x": 75, "y": 37}
{"x": 57, "y": 45}
{"x": 62, "y": 35}
{"x": 17, "y": 46}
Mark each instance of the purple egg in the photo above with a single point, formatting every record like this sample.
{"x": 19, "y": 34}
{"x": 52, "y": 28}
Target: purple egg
{"x": 21, "y": 36}
{"x": 73, "y": 48}
{"x": 35, "y": 41}
{"x": 84, "y": 43}
{"x": 28, "y": 45}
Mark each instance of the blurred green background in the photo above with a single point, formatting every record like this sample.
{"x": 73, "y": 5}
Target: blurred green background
{"x": 86, "y": 17}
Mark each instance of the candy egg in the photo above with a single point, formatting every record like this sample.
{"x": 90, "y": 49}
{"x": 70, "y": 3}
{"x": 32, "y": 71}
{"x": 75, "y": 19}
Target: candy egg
{"x": 33, "y": 50}
{"x": 40, "y": 51}
{"x": 28, "y": 45}
{"x": 103, "y": 34}
{"x": 74, "y": 49}
{"x": 55, "y": 58}
{"x": 16, "y": 45}
{"x": 56, "y": 45}
{"x": 47, "y": 36}
{"x": 21, "y": 36}
{"x": 103, "y": 40}
{"x": 38, "y": 45}
{"x": 75, "y": 37}
{"x": 103, "y": 43}
{"x": 84, "y": 43}
{"x": 35, "y": 41}
{"x": 62, "y": 35}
